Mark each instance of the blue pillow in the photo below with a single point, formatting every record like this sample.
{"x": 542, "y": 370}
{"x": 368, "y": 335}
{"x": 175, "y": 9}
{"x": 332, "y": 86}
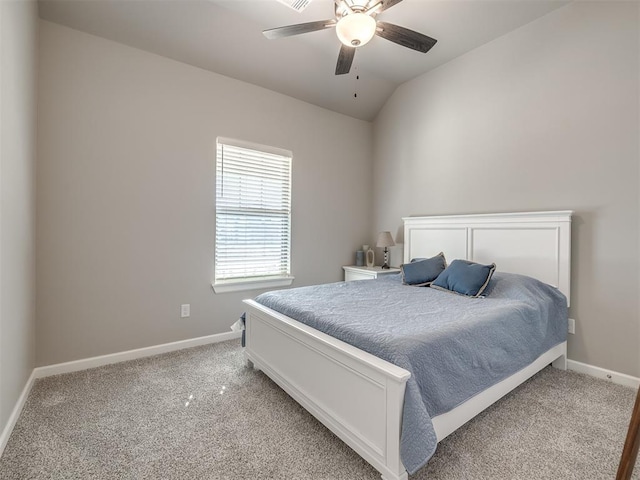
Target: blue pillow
{"x": 464, "y": 277}
{"x": 421, "y": 272}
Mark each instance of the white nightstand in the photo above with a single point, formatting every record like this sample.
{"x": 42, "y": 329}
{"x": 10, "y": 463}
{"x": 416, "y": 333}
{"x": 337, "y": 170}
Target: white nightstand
{"x": 352, "y": 272}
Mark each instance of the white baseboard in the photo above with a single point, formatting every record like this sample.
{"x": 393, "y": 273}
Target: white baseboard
{"x": 615, "y": 377}
{"x": 15, "y": 414}
{"x": 93, "y": 362}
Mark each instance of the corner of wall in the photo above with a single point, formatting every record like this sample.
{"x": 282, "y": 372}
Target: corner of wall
{"x": 18, "y": 99}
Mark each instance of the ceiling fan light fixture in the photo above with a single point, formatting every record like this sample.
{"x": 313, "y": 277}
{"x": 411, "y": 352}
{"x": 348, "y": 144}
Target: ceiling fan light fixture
{"x": 356, "y": 29}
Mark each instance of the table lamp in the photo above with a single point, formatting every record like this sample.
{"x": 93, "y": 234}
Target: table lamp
{"x": 385, "y": 240}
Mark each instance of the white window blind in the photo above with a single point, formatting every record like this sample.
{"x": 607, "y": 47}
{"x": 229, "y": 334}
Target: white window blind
{"x": 253, "y": 212}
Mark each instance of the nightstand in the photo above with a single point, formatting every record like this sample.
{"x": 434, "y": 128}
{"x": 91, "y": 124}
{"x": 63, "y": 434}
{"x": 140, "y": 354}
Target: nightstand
{"x": 352, "y": 272}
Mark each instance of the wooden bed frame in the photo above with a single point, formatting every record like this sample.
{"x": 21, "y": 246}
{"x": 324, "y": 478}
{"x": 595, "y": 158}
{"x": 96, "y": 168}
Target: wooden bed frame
{"x": 358, "y": 396}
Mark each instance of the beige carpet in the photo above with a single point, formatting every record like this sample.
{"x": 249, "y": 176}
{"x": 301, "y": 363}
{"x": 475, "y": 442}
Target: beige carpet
{"x": 203, "y": 414}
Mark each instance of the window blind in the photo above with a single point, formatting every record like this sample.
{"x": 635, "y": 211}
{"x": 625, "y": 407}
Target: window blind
{"x": 253, "y": 212}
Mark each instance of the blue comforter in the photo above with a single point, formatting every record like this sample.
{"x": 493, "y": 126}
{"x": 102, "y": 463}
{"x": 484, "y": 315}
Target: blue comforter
{"x": 455, "y": 347}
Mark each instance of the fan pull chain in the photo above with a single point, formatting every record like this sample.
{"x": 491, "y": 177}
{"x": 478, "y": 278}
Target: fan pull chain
{"x": 355, "y": 94}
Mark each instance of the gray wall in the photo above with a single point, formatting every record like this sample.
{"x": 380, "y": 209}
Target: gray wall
{"x": 125, "y": 193}
{"x": 543, "y": 118}
{"x": 18, "y": 62}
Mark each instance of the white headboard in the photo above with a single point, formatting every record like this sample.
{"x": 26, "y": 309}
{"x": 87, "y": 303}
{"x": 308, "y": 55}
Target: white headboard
{"x": 537, "y": 244}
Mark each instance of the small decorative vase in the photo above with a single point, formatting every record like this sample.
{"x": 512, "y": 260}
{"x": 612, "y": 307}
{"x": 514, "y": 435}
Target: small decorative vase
{"x": 360, "y": 258}
{"x": 371, "y": 258}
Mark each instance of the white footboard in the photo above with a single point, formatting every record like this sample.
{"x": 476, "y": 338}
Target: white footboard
{"x": 356, "y": 395}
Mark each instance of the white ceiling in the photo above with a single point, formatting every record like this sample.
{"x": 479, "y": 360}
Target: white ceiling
{"x": 224, "y": 36}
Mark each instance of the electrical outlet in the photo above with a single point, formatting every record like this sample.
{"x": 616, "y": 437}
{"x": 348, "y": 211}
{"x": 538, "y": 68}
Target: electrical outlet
{"x": 185, "y": 310}
{"x": 572, "y": 325}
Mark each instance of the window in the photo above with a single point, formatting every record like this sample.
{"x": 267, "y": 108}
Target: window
{"x": 253, "y": 216}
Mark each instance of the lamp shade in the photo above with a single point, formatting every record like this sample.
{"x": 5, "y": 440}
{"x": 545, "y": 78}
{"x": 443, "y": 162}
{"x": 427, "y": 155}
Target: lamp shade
{"x": 385, "y": 240}
{"x": 356, "y": 29}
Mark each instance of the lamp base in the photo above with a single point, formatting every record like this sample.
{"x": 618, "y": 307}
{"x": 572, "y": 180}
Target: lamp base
{"x": 385, "y": 265}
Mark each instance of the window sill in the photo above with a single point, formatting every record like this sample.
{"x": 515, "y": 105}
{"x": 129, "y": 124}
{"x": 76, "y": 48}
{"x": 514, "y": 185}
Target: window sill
{"x": 253, "y": 284}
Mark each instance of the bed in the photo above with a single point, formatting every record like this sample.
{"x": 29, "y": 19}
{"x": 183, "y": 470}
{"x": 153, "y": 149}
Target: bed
{"x": 359, "y": 396}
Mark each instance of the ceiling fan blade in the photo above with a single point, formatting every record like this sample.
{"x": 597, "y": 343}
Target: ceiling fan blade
{"x": 297, "y": 29}
{"x": 405, "y": 37}
{"x": 387, "y": 4}
{"x": 345, "y": 59}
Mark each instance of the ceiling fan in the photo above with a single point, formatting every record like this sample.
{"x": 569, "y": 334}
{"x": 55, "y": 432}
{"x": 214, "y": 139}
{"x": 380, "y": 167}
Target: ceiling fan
{"x": 355, "y": 25}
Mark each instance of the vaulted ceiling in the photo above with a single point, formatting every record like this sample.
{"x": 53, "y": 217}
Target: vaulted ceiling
{"x": 224, "y": 36}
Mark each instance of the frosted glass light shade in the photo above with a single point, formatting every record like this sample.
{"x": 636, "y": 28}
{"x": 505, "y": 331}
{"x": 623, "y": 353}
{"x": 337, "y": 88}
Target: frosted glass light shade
{"x": 356, "y": 29}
